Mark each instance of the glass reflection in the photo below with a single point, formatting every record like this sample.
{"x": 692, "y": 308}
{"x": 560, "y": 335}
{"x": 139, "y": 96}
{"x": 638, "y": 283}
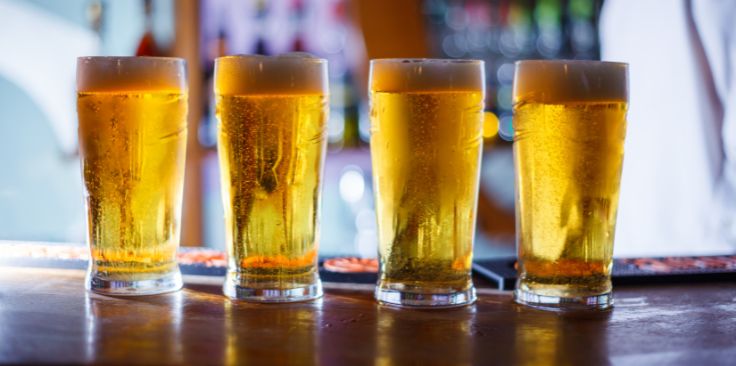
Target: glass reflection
{"x": 152, "y": 327}
{"x": 284, "y": 334}
{"x": 406, "y": 337}
{"x": 542, "y": 339}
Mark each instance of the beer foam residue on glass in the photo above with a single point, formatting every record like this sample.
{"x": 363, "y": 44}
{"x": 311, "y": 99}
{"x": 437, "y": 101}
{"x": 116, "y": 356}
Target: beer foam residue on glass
{"x": 288, "y": 73}
{"x": 556, "y": 81}
{"x": 404, "y": 75}
{"x": 130, "y": 73}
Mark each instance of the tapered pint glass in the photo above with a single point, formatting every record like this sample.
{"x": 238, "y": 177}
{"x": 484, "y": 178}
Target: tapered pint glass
{"x": 426, "y": 144}
{"x": 272, "y": 114}
{"x": 569, "y": 129}
{"x": 132, "y": 137}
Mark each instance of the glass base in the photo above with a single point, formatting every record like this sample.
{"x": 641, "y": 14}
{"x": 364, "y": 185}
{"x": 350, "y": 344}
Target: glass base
{"x": 236, "y": 291}
{"x": 116, "y": 287}
{"x": 557, "y": 303}
{"x": 425, "y": 299}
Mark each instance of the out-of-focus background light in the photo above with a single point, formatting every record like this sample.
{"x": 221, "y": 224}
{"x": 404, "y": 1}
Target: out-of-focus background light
{"x": 41, "y": 189}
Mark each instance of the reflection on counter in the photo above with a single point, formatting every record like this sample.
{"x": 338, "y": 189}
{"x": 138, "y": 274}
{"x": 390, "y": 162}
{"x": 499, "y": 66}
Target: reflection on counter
{"x": 250, "y": 335}
{"x": 392, "y": 326}
{"x": 153, "y": 326}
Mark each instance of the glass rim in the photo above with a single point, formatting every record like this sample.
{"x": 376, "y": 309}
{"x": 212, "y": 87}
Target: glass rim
{"x": 132, "y": 58}
{"x": 282, "y": 58}
{"x": 413, "y": 60}
{"x": 566, "y": 61}
{"x": 555, "y": 81}
{"x": 423, "y": 74}
{"x": 114, "y": 73}
{"x": 255, "y": 74}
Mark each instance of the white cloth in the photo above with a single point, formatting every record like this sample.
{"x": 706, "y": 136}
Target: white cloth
{"x": 678, "y": 189}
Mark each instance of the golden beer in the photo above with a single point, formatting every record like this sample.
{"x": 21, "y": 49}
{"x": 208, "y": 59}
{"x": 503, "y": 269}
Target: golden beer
{"x": 569, "y": 129}
{"x": 426, "y": 144}
{"x": 271, "y": 148}
{"x": 132, "y": 134}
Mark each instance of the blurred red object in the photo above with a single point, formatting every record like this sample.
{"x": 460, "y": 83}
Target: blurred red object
{"x": 352, "y": 265}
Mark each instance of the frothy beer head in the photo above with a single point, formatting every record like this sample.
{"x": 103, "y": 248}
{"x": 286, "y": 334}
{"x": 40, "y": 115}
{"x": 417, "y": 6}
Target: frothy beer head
{"x": 407, "y": 75}
{"x": 292, "y": 73}
{"x": 563, "y": 81}
{"x": 104, "y": 74}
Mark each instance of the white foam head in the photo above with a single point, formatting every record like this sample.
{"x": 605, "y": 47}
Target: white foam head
{"x": 406, "y": 75}
{"x": 559, "y": 81}
{"x": 102, "y": 73}
{"x": 291, "y": 73}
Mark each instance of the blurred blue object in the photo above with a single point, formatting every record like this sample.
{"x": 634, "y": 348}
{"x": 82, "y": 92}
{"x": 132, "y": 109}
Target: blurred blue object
{"x": 41, "y": 188}
{"x": 41, "y": 192}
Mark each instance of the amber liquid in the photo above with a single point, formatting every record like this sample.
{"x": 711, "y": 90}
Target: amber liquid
{"x": 271, "y": 149}
{"x": 568, "y": 168}
{"x": 426, "y": 149}
{"x": 133, "y": 147}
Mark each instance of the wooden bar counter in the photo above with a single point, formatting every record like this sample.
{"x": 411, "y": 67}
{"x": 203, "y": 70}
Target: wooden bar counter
{"x": 46, "y": 316}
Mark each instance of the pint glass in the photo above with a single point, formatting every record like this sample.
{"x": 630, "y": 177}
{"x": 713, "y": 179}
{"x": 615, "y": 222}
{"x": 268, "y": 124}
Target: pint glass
{"x": 272, "y": 114}
{"x": 426, "y": 143}
{"x": 132, "y": 137}
{"x": 569, "y": 128}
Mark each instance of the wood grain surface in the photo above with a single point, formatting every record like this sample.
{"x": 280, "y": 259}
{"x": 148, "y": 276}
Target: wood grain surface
{"x": 46, "y": 316}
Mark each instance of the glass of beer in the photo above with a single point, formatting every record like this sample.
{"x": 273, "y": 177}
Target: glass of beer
{"x": 132, "y": 138}
{"x": 426, "y": 144}
{"x": 569, "y": 130}
{"x": 272, "y": 114}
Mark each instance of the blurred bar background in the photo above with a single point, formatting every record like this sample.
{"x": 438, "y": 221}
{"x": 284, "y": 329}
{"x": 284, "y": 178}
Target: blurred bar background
{"x": 41, "y": 188}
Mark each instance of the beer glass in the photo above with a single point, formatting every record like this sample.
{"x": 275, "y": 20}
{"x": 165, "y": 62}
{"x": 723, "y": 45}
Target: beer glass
{"x": 132, "y": 138}
{"x": 426, "y": 144}
{"x": 569, "y": 128}
{"x": 272, "y": 114}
